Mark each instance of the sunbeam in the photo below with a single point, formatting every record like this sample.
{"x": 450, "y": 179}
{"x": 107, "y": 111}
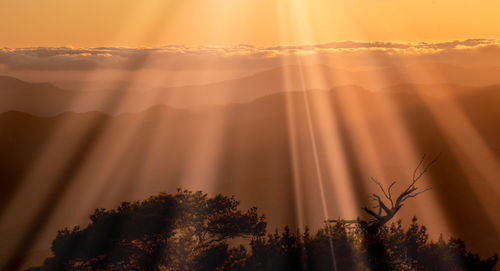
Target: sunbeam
{"x": 249, "y": 135}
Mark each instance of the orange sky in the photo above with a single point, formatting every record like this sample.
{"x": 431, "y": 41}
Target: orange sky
{"x": 198, "y": 161}
{"x": 89, "y": 23}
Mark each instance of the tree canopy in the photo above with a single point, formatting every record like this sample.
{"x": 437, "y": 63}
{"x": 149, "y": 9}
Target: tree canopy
{"x": 167, "y": 230}
{"x": 192, "y": 231}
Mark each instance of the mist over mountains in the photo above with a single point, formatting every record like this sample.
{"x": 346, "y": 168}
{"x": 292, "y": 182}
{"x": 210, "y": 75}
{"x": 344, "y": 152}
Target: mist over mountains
{"x": 45, "y": 99}
{"x": 313, "y": 112}
{"x": 248, "y": 147}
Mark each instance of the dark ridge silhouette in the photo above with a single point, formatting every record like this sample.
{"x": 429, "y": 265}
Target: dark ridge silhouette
{"x": 255, "y": 157}
{"x": 52, "y": 200}
{"x": 480, "y": 106}
{"x": 451, "y": 195}
{"x": 420, "y": 120}
{"x": 355, "y": 169}
{"x": 192, "y": 231}
{"x": 88, "y": 139}
{"x": 20, "y": 149}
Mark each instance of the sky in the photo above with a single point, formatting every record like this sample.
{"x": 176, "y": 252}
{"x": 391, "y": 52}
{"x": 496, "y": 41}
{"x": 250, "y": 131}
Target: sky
{"x": 140, "y": 45}
{"x": 152, "y": 23}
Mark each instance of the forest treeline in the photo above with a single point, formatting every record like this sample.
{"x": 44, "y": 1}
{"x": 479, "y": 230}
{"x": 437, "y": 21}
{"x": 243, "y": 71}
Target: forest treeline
{"x": 193, "y": 231}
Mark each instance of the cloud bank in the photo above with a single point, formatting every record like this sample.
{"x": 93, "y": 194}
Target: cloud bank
{"x": 178, "y": 57}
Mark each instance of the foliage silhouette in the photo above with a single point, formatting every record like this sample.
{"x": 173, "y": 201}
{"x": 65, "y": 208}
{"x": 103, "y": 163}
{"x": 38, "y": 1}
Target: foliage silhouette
{"x": 163, "y": 231}
{"x": 397, "y": 249}
{"x": 191, "y": 231}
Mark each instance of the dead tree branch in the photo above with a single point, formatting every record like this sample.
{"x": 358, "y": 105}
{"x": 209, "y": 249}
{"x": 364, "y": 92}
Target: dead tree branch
{"x": 381, "y": 213}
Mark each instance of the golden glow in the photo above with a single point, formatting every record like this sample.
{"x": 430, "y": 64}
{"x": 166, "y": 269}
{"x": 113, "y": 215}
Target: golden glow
{"x": 334, "y": 140}
{"x": 91, "y": 23}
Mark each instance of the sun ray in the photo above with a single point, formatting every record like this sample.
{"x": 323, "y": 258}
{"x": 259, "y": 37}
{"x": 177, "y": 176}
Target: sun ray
{"x": 334, "y": 105}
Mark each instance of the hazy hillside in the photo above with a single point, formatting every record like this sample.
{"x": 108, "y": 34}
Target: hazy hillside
{"x": 70, "y": 164}
{"x": 44, "y": 99}
{"x": 35, "y": 98}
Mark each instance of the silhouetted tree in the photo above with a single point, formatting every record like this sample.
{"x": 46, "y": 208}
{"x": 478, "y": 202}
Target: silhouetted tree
{"x": 191, "y": 231}
{"x": 400, "y": 249}
{"x": 176, "y": 231}
{"x": 386, "y": 205}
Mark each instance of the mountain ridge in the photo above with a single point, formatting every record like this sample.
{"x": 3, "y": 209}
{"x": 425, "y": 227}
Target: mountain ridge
{"x": 47, "y": 99}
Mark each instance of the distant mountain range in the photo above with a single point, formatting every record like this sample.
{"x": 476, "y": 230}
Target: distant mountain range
{"x": 44, "y": 99}
{"x": 68, "y": 164}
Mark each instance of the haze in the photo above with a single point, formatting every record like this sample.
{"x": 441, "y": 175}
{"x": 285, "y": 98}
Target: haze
{"x": 290, "y": 105}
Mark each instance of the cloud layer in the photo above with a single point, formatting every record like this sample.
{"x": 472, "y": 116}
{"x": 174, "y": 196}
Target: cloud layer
{"x": 177, "y": 57}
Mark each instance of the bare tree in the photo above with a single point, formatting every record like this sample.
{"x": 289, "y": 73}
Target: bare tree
{"x": 386, "y": 204}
